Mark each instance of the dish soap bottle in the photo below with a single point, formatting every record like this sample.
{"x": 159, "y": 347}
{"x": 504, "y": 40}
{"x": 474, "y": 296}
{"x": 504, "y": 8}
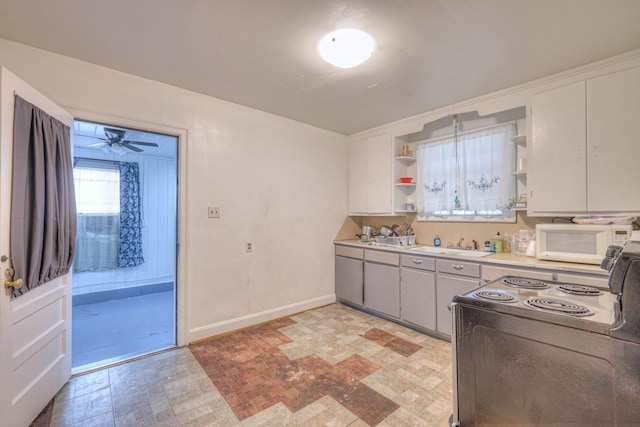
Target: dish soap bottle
{"x": 436, "y": 241}
{"x": 498, "y": 242}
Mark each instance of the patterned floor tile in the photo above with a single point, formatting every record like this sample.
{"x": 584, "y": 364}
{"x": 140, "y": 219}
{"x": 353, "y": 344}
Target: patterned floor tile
{"x": 332, "y": 366}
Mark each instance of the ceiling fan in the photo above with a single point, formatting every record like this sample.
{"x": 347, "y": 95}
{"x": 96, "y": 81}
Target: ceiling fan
{"x": 115, "y": 142}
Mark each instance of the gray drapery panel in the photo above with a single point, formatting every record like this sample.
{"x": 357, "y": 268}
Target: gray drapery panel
{"x": 43, "y": 209}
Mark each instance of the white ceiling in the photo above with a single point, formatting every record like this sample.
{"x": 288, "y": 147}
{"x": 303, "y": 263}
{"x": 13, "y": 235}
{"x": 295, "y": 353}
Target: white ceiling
{"x": 91, "y": 136}
{"x": 260, "y": 53}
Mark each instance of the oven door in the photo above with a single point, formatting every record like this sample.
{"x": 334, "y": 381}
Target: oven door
{"x": 514, "y": 371}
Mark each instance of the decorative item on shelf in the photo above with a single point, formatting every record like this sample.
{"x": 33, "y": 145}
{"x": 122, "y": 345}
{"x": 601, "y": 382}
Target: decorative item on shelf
{"x": 522, "y": 164}
{"x": 522, "y": 201}
{"x": 409, "y": 207}
{"x": 406, "y": 180}
{"x": 406, "y": 152}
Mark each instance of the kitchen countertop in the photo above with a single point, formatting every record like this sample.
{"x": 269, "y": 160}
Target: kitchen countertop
{"x": 501, "y": 258}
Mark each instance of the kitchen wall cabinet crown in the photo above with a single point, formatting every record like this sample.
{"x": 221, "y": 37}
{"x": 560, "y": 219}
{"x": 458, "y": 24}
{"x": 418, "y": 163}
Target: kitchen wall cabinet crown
{"x": 584, "y": 150}
{"x": 371, "y": 176}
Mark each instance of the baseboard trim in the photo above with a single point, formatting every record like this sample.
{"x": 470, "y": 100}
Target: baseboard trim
{"x": 211, "y": 330}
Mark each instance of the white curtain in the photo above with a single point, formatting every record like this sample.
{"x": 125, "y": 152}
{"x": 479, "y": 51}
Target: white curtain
{"x": 436, "y": 175}
{"x": 469, "y": 178}
{"x": 97, "y": 242}
{"x": 97, "y": 184}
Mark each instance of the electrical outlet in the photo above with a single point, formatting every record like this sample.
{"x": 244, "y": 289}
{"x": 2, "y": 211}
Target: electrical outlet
{"x": 249, "y": 246}
{"x": 214, "y": 212}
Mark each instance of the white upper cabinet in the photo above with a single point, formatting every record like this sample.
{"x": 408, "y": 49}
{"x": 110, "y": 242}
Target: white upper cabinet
{"x": 371, "y": 176}
{"x": 557, "y": 167}
{"x": 613, "y": 129}
{"x": 584, "y": 150}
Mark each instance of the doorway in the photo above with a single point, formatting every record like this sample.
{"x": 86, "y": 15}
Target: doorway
{"x": 124, "y": 274}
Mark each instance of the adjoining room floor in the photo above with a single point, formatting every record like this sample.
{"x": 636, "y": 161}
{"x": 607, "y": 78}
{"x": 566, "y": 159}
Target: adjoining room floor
{"x": 332, "y": 366}
{"x": 119, "y": 329}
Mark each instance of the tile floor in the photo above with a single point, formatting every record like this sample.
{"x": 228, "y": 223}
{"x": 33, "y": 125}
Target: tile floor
{"x": 333, "y": 366}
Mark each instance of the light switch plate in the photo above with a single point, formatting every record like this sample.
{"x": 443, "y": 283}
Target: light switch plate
{"x": 214, "y": 212}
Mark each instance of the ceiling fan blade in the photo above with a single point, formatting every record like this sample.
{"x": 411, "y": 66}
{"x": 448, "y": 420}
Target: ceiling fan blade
{"x": 114, "y": 134}
{"x": 125, "y": 144}
{"x": 148, "y": 144}
{"x": 97, "y": 144}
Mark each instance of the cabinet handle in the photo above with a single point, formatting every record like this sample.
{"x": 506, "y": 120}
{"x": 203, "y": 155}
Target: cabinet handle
{"x": 457, "y": 266}
{"x": 417, "y": 261}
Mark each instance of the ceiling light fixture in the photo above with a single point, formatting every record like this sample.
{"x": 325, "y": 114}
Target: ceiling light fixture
{"x": 346, "y": 48}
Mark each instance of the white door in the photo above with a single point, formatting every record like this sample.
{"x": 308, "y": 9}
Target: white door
{"x": 35, "y": 328}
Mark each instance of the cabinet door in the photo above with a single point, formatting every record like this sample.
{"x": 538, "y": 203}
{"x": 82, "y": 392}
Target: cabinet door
{"x": 446, "y": 288}
{"x": 358, "y": 177}
{"x": 349, "y": 283}
{"x": 557, "y": 166}
{"x": 380, "y": 169}
{"x": 382, "y": 288}
{"x": 613, "y": 110}
{"x": 418, "y": 296}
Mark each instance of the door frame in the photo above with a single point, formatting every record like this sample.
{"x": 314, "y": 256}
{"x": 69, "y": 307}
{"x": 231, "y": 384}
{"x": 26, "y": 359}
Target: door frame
{"x": 182, "y": 267}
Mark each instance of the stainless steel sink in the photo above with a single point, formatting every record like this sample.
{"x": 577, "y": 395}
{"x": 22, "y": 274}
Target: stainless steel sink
{"x": 451, "y": 251}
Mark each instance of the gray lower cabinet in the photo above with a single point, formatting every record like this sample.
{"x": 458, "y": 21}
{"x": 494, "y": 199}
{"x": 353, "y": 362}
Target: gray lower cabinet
{"x": 448, "y": 287}
{"x": 349, "y": 280}
{"x": 349, "y": 275}
{"x": 454, "y": 278}
{"x": 382, "y": 288}
{"x": 418, "y": 296}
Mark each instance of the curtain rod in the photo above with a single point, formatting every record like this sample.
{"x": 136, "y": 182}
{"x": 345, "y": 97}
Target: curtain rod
{"x": 93, "y": 158}
{"x": 89, "y": 159}
{"x": 430, "y": 140}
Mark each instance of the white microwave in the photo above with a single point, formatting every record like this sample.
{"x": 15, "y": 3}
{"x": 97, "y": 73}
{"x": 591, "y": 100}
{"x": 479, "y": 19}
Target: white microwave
{"x": 586, "y": 244}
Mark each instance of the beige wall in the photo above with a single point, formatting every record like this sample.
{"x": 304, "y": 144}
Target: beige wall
{"x": 449, "y": 232}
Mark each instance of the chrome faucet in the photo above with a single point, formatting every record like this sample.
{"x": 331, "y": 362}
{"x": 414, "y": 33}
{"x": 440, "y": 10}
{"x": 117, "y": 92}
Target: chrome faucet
{"x": 459, "y": 245}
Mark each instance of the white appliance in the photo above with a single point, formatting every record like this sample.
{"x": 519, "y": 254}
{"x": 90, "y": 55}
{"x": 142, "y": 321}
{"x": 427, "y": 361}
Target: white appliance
{"x": 586, "y": 244}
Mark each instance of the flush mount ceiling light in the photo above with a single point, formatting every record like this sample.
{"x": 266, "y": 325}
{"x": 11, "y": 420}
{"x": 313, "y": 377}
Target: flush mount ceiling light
{"x": 346, "y": 48}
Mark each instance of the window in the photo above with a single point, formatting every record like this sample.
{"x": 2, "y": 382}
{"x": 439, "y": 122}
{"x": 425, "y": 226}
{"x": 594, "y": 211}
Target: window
{"x": 97, "y": 186}
{"x": 467, "y": 177}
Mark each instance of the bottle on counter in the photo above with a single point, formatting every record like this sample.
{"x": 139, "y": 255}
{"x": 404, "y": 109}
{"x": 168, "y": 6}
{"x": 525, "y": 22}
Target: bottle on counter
{"x": 487, "y": 246}
{"x": 436, "y": 241}
{"x": 498, "y": 242}
{"x": 506, "y": 245}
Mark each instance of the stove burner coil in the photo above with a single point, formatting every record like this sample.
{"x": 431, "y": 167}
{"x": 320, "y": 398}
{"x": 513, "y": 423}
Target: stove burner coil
{"x": 495, "y": 296}
{"x": 523, "y": 282}
{"x": 558, "y": 306}
{"x": 578, "y": 290}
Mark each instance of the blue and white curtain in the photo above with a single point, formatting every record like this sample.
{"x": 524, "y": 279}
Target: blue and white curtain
{"x": 130, "y": 216}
